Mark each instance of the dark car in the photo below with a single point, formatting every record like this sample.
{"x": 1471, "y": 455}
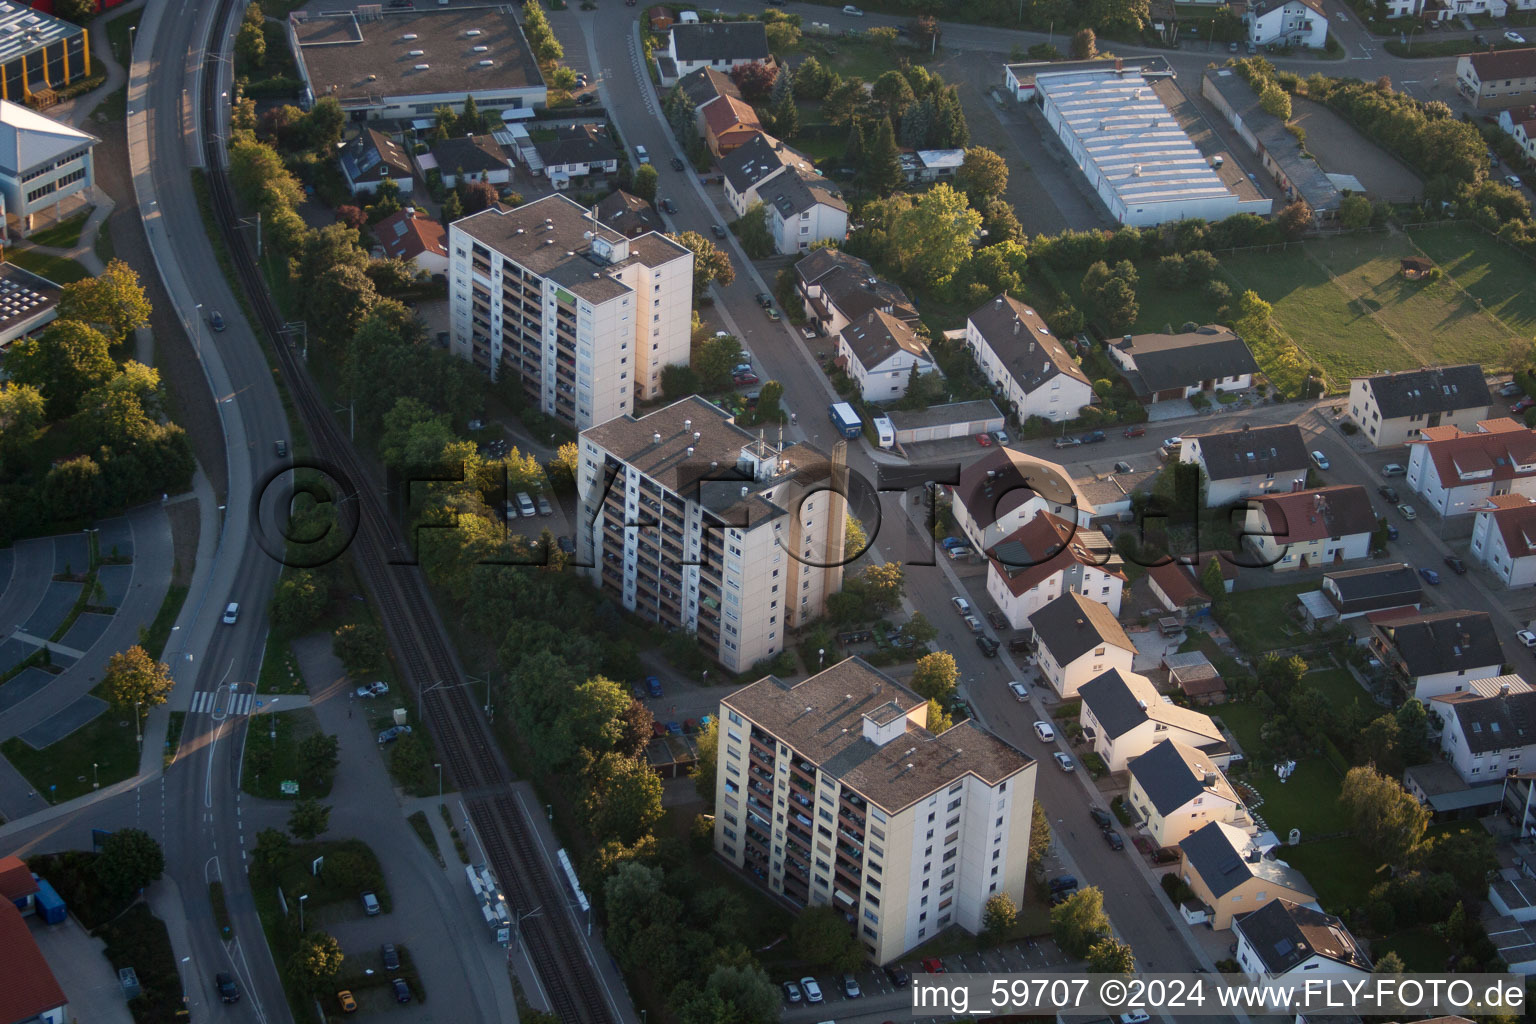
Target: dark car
{"x": 1430, "y": 576}
{"x": 1092, "y": 437}
{"x": 229, "y": 992}
{"x": 1062, "y": 883}
{"x": 282, "y": 449}
{"x": 586, "y": 98}
{"x": 669, "y": 206}
{"x": 718, "y": 230}
{"x": 764, "y": 299}
{"x": 1136, "y": 430}
{"x": 402, "y": 990}
{"x": 1113, "y": 839}
{"x": 1391, "y": 532}
{"x": 988, "y": 646}
{"x": 897, "y": 976}
{"x": 1389, "y": 492}
{"x": 1457, "y": 565}
{"x": 391, "y": 956}
{"x": 746, "y": 378}
{"x": 216, "y": 320}
{"x": 998, "y": 620}
{"x": 567, "y": 545}
{"x": 677, "y": 164}
{"x": 653, "y": 685}
{"x": 1101, "y": 818}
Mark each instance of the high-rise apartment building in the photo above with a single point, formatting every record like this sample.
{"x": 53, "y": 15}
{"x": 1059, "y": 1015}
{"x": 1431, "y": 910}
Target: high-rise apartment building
{"x": 585, "y": 316}
{"x": 689, "y": 520}
{"x": 832, "y": 791}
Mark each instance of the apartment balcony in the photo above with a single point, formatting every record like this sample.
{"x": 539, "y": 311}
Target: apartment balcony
{"x": 854, "y": 822}
{"x": 856, "y": 841}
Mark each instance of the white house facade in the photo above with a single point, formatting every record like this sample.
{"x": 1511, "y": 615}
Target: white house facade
{"x": 1293, "y": 23}
{"x": 1125, "y": 717}
{"x": 1078, "y": 640}
{"x": 1047, "y": 557}
{"x": 1504, "y": 538}
{"x": 1028, "y": 365}
{"x": 1455, "y": 471}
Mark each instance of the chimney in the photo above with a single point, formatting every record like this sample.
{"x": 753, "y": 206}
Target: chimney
{"x": 1209, "y": 780}
{"x": 1017, "y": 323}
{"x": 690, "y": 451}
{"x": 1503, "y": 689}
{"x": 687, "y": 425}
{"x": 655, "y": 439}
{"x": 1119, "y": 66}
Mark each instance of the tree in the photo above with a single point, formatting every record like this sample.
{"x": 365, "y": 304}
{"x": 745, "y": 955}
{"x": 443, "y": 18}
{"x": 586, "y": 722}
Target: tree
{"x": 1111, "y": 956}
{"x": 752, "y": 232}
{"x": 678, "y": 381}
{"x": 853, "y": 149}
{"x": 478, "y": 195}
{"x": 710, "y": 262}
{"x": 821, "y": 937}
{"x": 1354, "y": 211}
{"x": 359, "y": 646}
{"x": 998, "y": 915}
{"x": 886, "y": 583}
{"x": 982, "y": 174}
{"x": 1039, "y": 837}
{"x": 782, "y": 36}
{"x": 1295, "y": 220}
{"x": 786, "y": 117}
{"x": 1276, "y": 101}
{"x": 1079, "y": 922}
{"x": 67, "y": 360}
{"x": 643, "y": 183}
{"x": 1085, "y": 45}
{"x": 936, "y": 235}
{"x": 713, "y": 359}
{"x": 1213, "y": 581}
{"x": 299, "y": 598}
{"x": 272, "y": 845}
{"x": 317, "y": 960}
{"x": 812, "y": 80}
{"x": 920, "y": 629}
{"x": 854, "y": 540}
{"x": 1387, "y": 820}
{"x": 935, "y": 675}
{"x": 250, "y": 48}
{"x": 623, "y": 798}
{"x": 129, "y": 860}
{"x": 318, "y": 756}
{"x": 844, "y": 101}
{"x": 337, "y": 300}
{"x": 708, "y": 740}
{"x": 1390, "y": 963}
{"x": 882, "y": 160}
{"x": 939, "y": 720}
{"x": 755, "y": 80}
{"x": 885, "y": 35}
{"x": 134, "y": 678}
{"x": 453, "y": 206}
{"x": 893, "y": 93}
{"x": 352, "y": 216}
{"x": 1413, "y": 732}
{"x": 253, "y": 168}
{"x": 918, "y": 123}
{"x": 23, "y": 415}
{"x": 309, "y": 819}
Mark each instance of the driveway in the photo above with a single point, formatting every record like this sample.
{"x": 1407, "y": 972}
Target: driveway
{"x": 82, "y": 971}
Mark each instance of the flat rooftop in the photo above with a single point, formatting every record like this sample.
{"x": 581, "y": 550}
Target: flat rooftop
{"x": 24, "y": 31}
{"x": 26, "y": 301}
{"x": 362, "y": 60}
{"x": 1130, "y": 135}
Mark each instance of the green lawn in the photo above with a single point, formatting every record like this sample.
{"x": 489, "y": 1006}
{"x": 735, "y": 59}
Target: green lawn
{"x": 1260, "y": 620}
{"x": 64, "y": 235}
{"x": 1420, "y": 948}
{"x": 1337, "y": 685}
{"x": 1499, "y": 278}
{"x": 272, "y": 754}
{"x": 1308, "y": 800}
{"x": 279, "y": 668}
{"x": 1245, "y": 721}
{"x": 108, "y": 741}
{"x": 1340, "y": 871}
{"x": 54, "y": 268}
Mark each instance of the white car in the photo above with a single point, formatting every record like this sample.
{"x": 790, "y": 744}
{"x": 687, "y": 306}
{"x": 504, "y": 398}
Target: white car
{"x": 1045, "y": 732}
{"x": 1172, "y": 442}
{"x": 374, "y": 689}
{"x": 231, "y": 613}
{"x": 1001, "y": 436}
{"x": 1320, "y": 460}
{"x": 1512, "y": 180}
{"x": 854, "y": 12}
{"x": 973, "y": 624}
{"x": 811, "y": 989}
{"x": 1526, "y": 637}
{"x": 1022, "y": 692}
{"x": 961, "y": 605}
{"x": 1514, "y": 37}
{"x": 525, "y": 505}
{"x": 1134, "y": 1017}
{"x": 1064, "y": 762}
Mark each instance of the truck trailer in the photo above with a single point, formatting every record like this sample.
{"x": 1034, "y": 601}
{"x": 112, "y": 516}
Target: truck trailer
{"x": 845, "y": 420}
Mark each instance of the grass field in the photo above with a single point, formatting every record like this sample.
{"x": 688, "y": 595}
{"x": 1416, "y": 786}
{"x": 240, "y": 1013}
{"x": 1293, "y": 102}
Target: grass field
{"x": 63, "y": 771}
{"x": 1308, "y": 800}
{"x": 1491, "y": 273}
{"x": 1340, "y": 871}
{"x": 1338, "y": 686}
{"x": 54, "y": 268}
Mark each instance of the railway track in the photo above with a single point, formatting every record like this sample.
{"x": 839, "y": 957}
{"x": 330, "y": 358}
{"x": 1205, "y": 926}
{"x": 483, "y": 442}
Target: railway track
{"x": 463, "y": 739}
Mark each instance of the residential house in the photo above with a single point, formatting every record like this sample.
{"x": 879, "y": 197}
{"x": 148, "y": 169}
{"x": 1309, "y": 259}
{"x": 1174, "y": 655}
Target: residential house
{"x": 1193, "y": 675}
{"x": 627, "y": 214}
{"x": 477, "y": 157}
{"x": 722, "y": 505}
{"x": 1455, "y": 471}
{"x": 1123, "y": 716}
{"x": 802, "y": 210}
{"x": 721, "y": 45}
{"x": 703, "y": 87}
{"x": 1372, "y": 588}
{"x": 370, "y": 158}
{"x": 1391, "y": 408}
{"x": 1079, "y": 639}
{"x": 1025, "y": 362}
{"x": 577, "y": 151}
{"x": 753, "y": 163}
{"x": 1005, "y": 488}
{"x": 1504, "y": 538}
{"x": 1231, "y": 875}
{"x": 420, "y": 240}
{"x": 1280, "y": 153}
{"x": 43, "y": 162}
{"x": 1497, "y": 78}
{"x": 18, "y": 885}
{"x": 1247, "y": 463}
{"x": 1049, "y": 556}
{"x": 1520, "y": 125}
{"x": 1176, "y": 588}
{"x": 1287, "y": 942}
{"x": 837, "y": 289}
{"x": 929, "y": 165}
{"x": 853, "y": 742}
{"x": 729, "y": 124}
{"x": 1306, "y": 529}
{"x": 30, "y": 994}
{"x": 1177, "y": 789}
{"x": 1437, "y": 652}
{"x": 1487, "y": 736}
{"x": 661, "y": 18}
{"x": 881, "y": 353}
{"x": 1163, "y": 367}
{"x": 1287, "y": 23}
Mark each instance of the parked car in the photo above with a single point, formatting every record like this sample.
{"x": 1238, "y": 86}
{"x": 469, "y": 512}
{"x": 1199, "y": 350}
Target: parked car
{"x": 792, "y": 993}
{"x": 675, "y": 728}
{"x": 641, "y": 155}
{"x": 375, "y": 689}
{"x": 1512, "y": 36}
{"x": 1526, "y": 638}
{"x": 854, "y": 12}
{"x": 957, "y": 552}
{"x": 1389, "y": 492}
{"x": 525, "y": 506}
{"x": 1045, "y": 732}
{"x": 1394, "y": 469}
{"x": 1136, "y": 430}
{"x": 972, "y": 623}
{"x": 1319, "y": 460}
{"x": 216, "y": 320}
{"x": 811, "y": 989}
{"x": 988, "y": 646}
{"x": 1067, "y": 442}
{"x": 851, "y": 986}
{"x": 961, "y": 604}
{"x": 1510, "y": 390}
{"x": 1062, "y": 883}
{"x": 1020, "y": 691}
{"x": 1231, "y": 47}
{"x": 669, "y": 205}
{"x": 677, "y": 164}
{"x": 933, "y": 965}
{"x": 544, "y": 506}
{"x": 1064, "y": 762}
{"x": 764, "y": 299}
{"x": 998, "y": 620}
{"x": 586, "y": 98}
{"x": 346, "y": 1001}
{"x": 772, "y": 314}
{"x": 1101, "y": 818}
{"x": 231, "y": 613}
{"x": 1000, "y": 436}
{"x": 229, "y": 992}
{"x": 391, "y": 956}
{"x": 952, "y": 542}
{"x": 1524, "y": 404}
{"x": 719, "y": 231}
{"x": 1407, "y": 511}
{"x": 566, "y": 544}
{"x": 393, "y": 733}
{"x": 371, "y": 905}
{"x": 401, "y": 989}
{"x": 1430, "y": 576}
{"x": 746, "y": 378}
{"x": 1113, "y": 839}
{"x": 897, "y": 976}
{"x": 653, "y": 686}
{"x": 1457, "y": 565}
{"x": 1172, "y": 442}
{"x": 1135, "y": 1016}
{"x": 1092, "y": 437}
{"x": 985, "y": 440}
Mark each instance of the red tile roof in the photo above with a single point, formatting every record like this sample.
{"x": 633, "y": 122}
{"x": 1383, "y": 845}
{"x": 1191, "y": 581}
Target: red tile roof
{"x": 1302, "y": 516}
{"x": 730, "y": 113}
{"x": 30, "y": 988}
{"x": 1515, "y": 516}
{"x": 1044, "y": 546}
{"x": 1173, "y": 579}
{"x": 1504, "y": 450}
{"x": 406, "y": 237}
{"x": 16, "y": 878}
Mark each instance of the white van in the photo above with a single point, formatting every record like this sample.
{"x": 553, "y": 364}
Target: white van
{"x": 641, "y": 155}
{"x": 885, "y": 430}
{"x": 525, "y": 505}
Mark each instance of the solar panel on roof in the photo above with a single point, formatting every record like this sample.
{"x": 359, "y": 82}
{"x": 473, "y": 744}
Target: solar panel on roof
{"x": 1284, "y": 947}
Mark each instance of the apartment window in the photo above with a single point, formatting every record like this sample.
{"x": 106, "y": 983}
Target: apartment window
{"x": 994, "y": 875}
{"x": 956, "y": 787}
{"x": 999, "y": 821}
{"x": 728, "y": 833}
{"x": 929, "y": 835}
{"x": 951, "y": 823}
{"x": 925, "y": 889}
{"x": 951, "y": 838}
{"x": 954, "y": 804}
{"x": 922, "y": 917}
{"x": 950, "y": 856}
{"x": 948, "y": 871}
{"x": 928, "y": 852}
{"x": 877, "y": 851}
{"x": 996, "y": 854}
{"x": 870, "y": 915}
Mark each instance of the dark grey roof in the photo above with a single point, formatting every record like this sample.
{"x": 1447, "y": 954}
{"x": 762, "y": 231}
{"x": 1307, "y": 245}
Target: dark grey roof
{"x": 1311, "y": 182}
{"x": 720, "y": 40}
{"x": 577, "y": 143}
{"x": 627, "y": 214}
{"x": 875, "y": 337}
{"x": 761, "y": 158}
{"x": 1437, "y": 389}
{"x": 1445, "y": 641}
{"x": 373, "y": 155}
{"x": 473, "y": 154}
{"x": 707, "y": 84}
{"x": 1172, "y": 774}
{"x": 1072, "y": 625}
{"x": 1285, "y": 934}
{"x": 1372, "y": 588}
{"x": 1165, "y": 361}
{"x": 1498, "y": 722}
{"x": 1024, "y": 344}
{"x": 1226, "y": 857}
{"x": 850, "y": 284}
{"x": 795, "y": 193}
{"x": 1122, "y": 701}
{"x": 1230, "y": 454}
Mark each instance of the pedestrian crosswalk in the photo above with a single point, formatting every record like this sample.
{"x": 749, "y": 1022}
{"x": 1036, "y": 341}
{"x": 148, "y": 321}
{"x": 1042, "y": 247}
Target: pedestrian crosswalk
{"x": 206, "y": 701}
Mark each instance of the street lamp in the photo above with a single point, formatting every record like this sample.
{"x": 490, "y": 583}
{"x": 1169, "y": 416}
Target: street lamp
{"x": 138, "y": 733}
{"x": 821, "y": 658}
{"x": 439, "y": 780}
{"x": 301, "y": 910}
{"x": 95, "y": 779}
{"x": 197, "y": 332}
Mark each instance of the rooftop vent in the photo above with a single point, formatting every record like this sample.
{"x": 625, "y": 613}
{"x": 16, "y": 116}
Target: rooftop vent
{"x": 687, "y": 424}
{"x": 473, "y": 32}
{"x": 696, "y": 436}
{"x": 743, "y": 491}
{"x": 422, "y": 67}
{"x": 373, "y": 78}
{"x": 409, "y": 36}
{"x": 690, "y": 451}
{"x": 518, "y": 231}
{"x": 486, "y": 63}
{"x": 655, "y": 439}
{"x": 1136, "y": 171}
{"x": 415, "y": 53}
{"x": 481, "y": 49}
